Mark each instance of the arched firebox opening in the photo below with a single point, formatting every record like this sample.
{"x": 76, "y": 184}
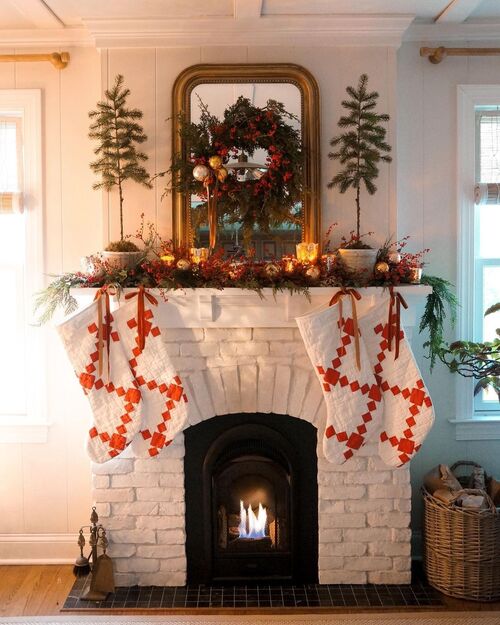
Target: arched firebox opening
{"x": 251, "y": 500}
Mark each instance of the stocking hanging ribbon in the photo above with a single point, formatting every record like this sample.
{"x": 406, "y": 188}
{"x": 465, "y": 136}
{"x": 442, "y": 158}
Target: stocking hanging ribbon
{"x": 103, "y": 325}
{"x": 141, "y": 319}
{"x": 394, "y": 330}
{"x": 337, "y": 299}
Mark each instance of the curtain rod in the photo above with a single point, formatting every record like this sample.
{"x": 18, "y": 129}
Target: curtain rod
{"x": 436, "y": 55}
{"x": 58, "y": 59}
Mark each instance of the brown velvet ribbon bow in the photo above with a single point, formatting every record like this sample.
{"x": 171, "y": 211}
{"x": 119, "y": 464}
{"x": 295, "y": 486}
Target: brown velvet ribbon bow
{"x": 103, "y": 325}
{"x": 337, "y": 299}
{"x": 394, "y": 330}
{"x": 141, "y": 310}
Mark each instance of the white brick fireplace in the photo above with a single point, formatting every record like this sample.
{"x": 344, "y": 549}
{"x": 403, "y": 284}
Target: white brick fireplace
{"x": 237, "y": 353}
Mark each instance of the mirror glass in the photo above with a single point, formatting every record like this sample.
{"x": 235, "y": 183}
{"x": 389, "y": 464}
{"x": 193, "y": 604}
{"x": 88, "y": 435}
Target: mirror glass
{"x": 282, "y": 238}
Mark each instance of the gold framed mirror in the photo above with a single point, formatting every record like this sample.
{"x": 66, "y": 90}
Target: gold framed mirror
{"x": 221, "y": 83}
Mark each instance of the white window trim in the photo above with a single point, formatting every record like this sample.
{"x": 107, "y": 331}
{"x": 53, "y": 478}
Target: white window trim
{"x": 469, "y": 426}
{"x": 32, "y": 427}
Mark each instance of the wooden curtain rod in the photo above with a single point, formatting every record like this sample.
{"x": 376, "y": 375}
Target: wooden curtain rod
{"x": 436, "y": 55}
{"x": 58, "y": 60}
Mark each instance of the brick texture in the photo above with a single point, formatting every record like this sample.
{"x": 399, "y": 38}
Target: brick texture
{"x": 364, "y": 506}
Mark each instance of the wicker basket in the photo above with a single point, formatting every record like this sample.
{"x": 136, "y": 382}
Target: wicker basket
{"x": 462, "y": 548}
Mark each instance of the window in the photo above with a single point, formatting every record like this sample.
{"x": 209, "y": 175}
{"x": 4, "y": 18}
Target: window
{"x": 486, "y": 245}
{"x": 478, "y": 283}
{"x": 21, "y": 267}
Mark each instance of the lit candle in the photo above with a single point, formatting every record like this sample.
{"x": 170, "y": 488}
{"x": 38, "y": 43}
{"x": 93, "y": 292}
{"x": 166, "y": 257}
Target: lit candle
{"x": 198, "y": 254}
{"x": 168, "y": 258}
{"x": 329, "y": 260}
{"x": 290, "y": 265}
{"x": 415, "y": 275}
{"x": 307, "y": 252}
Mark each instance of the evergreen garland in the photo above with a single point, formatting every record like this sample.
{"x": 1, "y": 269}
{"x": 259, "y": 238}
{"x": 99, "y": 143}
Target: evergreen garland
{"x": 362, "y": 146}
{"x": 434, "y": 317}
{"x": 117, "y": 130}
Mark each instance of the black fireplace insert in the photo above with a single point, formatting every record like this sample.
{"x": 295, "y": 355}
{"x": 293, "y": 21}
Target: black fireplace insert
{"x": 251, "y": 500}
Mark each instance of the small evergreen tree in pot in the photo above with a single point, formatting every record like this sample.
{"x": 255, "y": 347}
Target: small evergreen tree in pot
{"x": 359, "y": 149}
{"x": 118, "y": 133}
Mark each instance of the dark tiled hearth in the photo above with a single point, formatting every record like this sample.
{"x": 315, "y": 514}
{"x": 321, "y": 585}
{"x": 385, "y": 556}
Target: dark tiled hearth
{"x": 416, "y": 595}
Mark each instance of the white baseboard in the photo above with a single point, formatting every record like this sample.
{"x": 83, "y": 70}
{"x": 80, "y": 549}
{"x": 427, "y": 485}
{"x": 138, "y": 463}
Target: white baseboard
{"x": 38, "y": 549}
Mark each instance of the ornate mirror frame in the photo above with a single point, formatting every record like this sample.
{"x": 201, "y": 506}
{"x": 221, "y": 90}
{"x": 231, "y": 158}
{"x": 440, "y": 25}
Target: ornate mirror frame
{"x": 249, "y": 73}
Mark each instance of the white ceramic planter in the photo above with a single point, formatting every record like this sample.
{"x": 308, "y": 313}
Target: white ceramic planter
{"x": 359, "y": 260}
{"x": 122, "y": 260}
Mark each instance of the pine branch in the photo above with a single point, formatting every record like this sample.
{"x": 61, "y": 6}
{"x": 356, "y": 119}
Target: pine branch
{"x": 361, "y": 145}
{"x": 116, "y": 129}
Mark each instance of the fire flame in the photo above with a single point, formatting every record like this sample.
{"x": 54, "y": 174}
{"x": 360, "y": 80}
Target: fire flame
{"x": 252, "y": 526}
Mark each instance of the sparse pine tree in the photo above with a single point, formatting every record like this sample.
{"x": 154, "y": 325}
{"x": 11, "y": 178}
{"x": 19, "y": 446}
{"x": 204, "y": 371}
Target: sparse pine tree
{"x": 117, "y": 131}
{"x": 362, "y": 145}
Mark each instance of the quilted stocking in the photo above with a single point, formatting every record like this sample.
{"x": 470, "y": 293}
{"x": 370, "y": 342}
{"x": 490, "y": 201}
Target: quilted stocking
{"x": 164, "y": 400}
{"x": 96, "y": 353}
{"x": 408, "y": 412}
{"x": 352, "y": 396}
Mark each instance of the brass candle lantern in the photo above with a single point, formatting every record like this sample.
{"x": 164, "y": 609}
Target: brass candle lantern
{"x": 307, "y": 253}
{"x": 101, "y": 581}
{"x": 415, "y": 275}
{"x": 198, "y": 254}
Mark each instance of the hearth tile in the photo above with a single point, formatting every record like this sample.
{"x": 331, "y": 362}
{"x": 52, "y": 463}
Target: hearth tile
{"x": 418, "y": 594}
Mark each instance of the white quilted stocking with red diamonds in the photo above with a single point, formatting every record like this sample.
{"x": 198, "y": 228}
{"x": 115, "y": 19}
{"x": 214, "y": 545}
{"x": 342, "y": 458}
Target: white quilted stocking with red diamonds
{"x": 115, "y": 401}
{"x": 164, "y": 399}
{"x": 408, "y": 412}
{"x": 353, "y": 399}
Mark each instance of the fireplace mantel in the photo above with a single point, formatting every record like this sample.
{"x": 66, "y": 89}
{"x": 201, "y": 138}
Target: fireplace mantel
{"x": 240, "y": 308}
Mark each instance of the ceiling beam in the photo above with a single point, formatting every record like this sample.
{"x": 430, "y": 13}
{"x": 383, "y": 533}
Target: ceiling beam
{"x": 38, "y": 13}
{"x": 244, "y": 9}
{"x": 457, "y": 11}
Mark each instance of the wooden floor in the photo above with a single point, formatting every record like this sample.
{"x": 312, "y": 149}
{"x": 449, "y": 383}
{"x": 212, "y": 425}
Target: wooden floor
{"x": 42, "y": 590}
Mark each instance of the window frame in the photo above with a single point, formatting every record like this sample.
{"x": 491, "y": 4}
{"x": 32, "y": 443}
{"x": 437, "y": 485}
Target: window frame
{"x": 31, "y": 427}
{"x": 471, "y": 424}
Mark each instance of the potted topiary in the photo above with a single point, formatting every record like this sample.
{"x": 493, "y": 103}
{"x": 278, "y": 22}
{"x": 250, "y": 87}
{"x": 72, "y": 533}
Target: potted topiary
{"x": 360, "y": 148}
{"x": 117, "y": 131}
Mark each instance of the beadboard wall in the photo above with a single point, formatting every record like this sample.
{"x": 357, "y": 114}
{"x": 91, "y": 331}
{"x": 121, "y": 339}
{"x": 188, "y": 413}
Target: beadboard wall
{"x": 45, "y": 488}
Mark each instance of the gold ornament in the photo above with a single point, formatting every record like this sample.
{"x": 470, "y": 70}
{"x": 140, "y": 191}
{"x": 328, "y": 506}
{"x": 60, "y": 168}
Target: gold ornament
{"x": 271, "y": 270}
{"x": 290, "y": 265}
{"x": 215, "y": 162}
{"x": 313, "y": 272}
{"x": 183, "y": 264}
{"x": 222, "y": 174}
{"x": 200, "y": 172}
{"x": 381, "y": 267}
{"x": 394, "y": 257}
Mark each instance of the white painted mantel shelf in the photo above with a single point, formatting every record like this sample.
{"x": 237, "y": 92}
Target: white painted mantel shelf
{"x": 240, "y": 308}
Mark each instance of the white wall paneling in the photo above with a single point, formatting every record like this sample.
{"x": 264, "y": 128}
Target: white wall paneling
{"x": 428, "y": 208}
{"x": 45, "y": 488}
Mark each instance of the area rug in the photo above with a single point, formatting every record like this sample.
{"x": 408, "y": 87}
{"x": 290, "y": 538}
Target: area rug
{"x": 414, "y": 618}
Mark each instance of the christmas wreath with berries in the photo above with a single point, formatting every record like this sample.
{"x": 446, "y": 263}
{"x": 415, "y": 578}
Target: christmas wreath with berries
{"x": 270, "y": 198}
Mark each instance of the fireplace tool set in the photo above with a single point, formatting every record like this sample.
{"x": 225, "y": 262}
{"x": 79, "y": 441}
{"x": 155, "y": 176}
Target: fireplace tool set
{"x": 101, "y": 580}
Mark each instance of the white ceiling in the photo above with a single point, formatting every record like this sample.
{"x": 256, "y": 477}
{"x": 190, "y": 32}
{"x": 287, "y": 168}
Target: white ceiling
{"x": 27, "y": 14}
